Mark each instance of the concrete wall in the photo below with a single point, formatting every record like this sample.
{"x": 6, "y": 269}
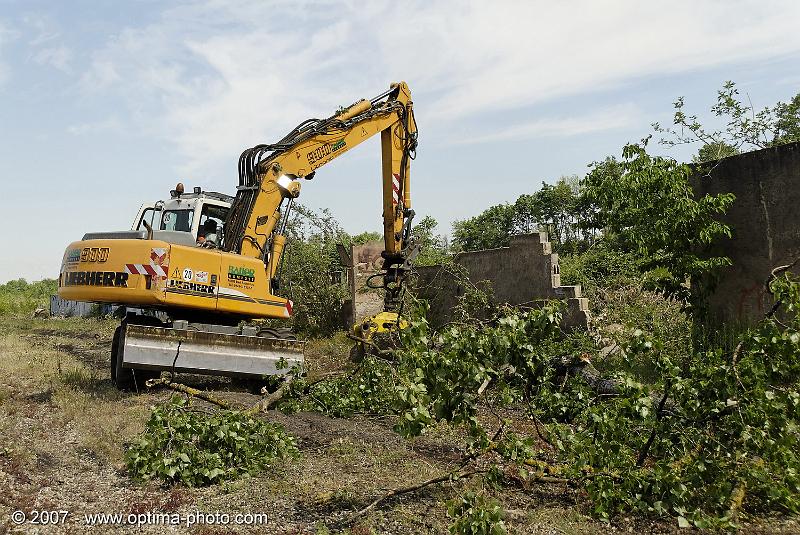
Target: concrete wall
{"x": 527, "y": 272}
{"x": 766, "y": 228}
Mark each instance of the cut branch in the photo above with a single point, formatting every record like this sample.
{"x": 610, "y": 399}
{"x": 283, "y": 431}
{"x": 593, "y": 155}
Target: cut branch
{"x": 451, "y": 476}
{"x": 659, "y": 414}
{"x": 379, "y": 351}
{"x": 773, "y": 276}
{"x": 178, "y": 387}
{"x": 269, "y": 400}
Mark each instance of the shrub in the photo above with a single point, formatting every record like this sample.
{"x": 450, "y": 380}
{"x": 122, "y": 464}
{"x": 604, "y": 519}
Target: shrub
{"x": 21, "y": 298}
{"x": 196, "y": 448}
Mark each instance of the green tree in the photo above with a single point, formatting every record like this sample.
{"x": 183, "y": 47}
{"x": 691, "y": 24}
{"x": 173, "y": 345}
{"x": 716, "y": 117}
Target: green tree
{"x": 560, "y": 214}
{"x": 305, "y": 275}
{"x": 787, "y": 121}
{"x": 554, "y": 209}
{"x": 433, "y": 248}
{"x": 366, "y": 236}
{"x": 20, "y": 297}
{"x": 646, "y": 204}
{"x": 491, "y": 228}
{"x": 745, "y": 128}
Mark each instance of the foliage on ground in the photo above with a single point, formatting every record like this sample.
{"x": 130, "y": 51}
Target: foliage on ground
{"x": 474, "y": 514}
{"x": 196, "y": 448}
{"x": 710, "y": 437}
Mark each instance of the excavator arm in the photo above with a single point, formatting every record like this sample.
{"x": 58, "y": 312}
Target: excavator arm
{"x": 269, "y": 180}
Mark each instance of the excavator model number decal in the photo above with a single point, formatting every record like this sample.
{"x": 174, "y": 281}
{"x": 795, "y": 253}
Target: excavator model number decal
{"x": 327, "y": 149}
{"x": 94, "y": 254}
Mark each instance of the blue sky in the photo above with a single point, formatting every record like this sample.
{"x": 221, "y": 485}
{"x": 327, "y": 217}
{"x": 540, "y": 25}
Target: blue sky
{"x": 104, "y": 105}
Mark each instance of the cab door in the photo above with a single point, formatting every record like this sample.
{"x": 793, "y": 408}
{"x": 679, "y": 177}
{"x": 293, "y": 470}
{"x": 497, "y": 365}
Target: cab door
{"x": 147, "y": 213}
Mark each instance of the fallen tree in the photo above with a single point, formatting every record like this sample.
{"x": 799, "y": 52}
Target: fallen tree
{"x": 714, "y": 436}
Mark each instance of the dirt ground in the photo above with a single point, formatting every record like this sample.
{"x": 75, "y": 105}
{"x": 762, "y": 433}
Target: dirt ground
{"x": 63, "y": 429}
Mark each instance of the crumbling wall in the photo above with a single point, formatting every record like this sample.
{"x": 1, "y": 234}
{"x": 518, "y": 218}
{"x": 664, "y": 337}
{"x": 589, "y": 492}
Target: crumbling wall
{"x": 526, "y": 272}
{"x": 765, "y": 219}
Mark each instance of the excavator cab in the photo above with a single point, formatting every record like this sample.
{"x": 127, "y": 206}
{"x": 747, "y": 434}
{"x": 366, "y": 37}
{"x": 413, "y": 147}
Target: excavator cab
{"x": 193, "y": 214}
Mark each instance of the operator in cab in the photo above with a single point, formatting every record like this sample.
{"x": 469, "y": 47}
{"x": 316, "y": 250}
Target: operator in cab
{"x": 207, "y": 236}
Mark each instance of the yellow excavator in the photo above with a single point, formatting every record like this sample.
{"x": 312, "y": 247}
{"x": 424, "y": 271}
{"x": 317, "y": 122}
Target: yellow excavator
{"x": 195, "y": 268}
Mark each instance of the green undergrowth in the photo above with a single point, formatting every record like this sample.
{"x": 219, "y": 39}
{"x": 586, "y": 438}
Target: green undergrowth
{"x": 183, "y": 444}
{"x": 21, "y": 298}
{"x": 707, "y": 437}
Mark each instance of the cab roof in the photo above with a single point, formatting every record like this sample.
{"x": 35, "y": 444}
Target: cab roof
{"x": 206, "y": 195}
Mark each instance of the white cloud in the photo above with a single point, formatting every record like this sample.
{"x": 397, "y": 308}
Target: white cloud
{"x": 111, "y": 124}
{"x": 6, "y": 36}
{"x": 611, "y": 118}
{"x": 43, "y": 38}
{"x": 59, "y": 57}
{"x": 42, "y": 29}
{"x": 218, "y": 76}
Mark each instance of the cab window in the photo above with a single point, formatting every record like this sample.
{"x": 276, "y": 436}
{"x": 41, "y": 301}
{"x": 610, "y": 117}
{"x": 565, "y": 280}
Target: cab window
{"x": 147, "y": 216}
{"x": 212, "y": 219}
{"x": 180, "y": 220}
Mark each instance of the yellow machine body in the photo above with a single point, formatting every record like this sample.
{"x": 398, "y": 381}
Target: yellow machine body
{"x": 382, "y": 322}
{"x": 152, "y": 273}
{"x": 239, "y": 277}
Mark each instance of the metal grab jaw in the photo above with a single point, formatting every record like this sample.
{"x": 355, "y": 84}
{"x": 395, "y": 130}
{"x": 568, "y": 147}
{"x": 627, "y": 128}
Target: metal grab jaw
{"x": 396, "y": 269}
{"x": 205, "y": 352}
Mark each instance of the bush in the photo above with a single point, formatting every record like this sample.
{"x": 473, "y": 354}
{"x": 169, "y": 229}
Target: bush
{"x": 317, "y": 299}
{"x": 21, "y": 298}
{"x": 602, "y": 266}
{"x": 305, "y": 274}
{"x": 196, "y": 448}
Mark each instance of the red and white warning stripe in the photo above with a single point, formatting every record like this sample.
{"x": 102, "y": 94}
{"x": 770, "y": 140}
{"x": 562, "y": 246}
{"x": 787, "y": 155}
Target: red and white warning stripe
{"x": 147, "y": 269}
{"x": 158, "y": 256}
{"x": 395, "y": 188}
{"x": 158, "y": 266}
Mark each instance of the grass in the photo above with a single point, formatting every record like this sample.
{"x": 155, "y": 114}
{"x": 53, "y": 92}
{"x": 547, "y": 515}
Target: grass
{"x": 43, "y": 363}
{"x": 327, "y": 354}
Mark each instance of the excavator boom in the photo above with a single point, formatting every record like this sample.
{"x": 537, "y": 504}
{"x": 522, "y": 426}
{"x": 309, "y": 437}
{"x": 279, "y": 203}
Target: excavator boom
{"x": 269, "y": 177}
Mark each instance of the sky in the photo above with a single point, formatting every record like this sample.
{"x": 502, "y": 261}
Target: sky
{"x": 105, "y": 105}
